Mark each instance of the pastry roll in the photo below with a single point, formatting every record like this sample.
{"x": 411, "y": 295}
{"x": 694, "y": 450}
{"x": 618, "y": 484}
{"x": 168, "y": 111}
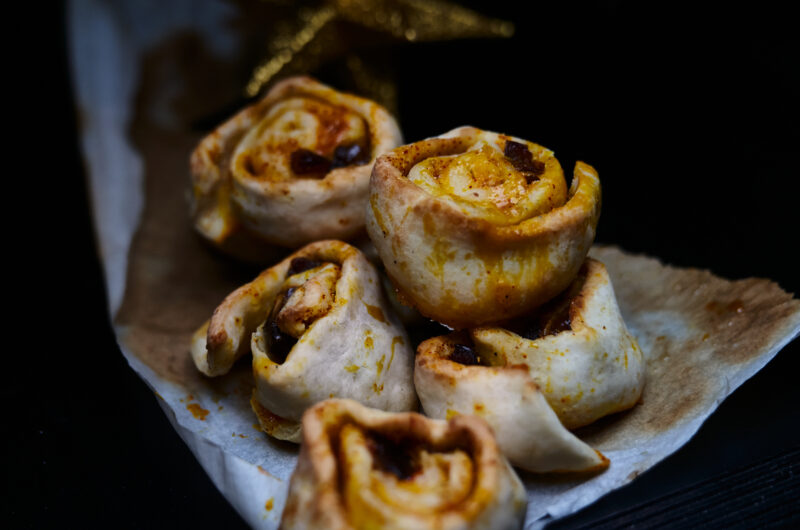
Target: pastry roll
{"x": 561, "y": 367}
{"x": 476, "y": 227}
{"x": 364, "y": 468}
{"x": 318, "y": 326}
{"x": 290, "y": 169}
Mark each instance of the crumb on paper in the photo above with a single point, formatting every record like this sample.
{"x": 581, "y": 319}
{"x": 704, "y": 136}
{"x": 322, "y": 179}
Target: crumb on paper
{"x": 197, "y": 411}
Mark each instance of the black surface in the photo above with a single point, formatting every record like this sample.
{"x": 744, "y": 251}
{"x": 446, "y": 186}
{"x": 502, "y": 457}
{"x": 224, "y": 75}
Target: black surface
{"x": 756, "y": 495}
{"x": 689, "y": 117}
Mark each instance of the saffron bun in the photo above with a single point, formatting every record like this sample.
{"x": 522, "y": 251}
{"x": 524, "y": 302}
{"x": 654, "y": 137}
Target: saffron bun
{"x": 290, "y": 169}
{"x": 365, "y": 468}
{"x": 475, "y": 227}
{"x": 318, "y": 326}
{"x": 563, "y": 366}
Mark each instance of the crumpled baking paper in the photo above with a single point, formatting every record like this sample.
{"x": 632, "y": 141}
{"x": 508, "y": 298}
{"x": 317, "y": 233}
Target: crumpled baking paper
{"x": 141, "y": 73}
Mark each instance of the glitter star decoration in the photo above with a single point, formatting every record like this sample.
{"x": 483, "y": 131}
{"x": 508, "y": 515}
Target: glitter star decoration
{"x": 331, "y": 29}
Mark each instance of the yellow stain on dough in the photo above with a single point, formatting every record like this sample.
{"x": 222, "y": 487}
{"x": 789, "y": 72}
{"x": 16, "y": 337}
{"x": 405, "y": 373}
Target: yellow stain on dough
{"x": 396, "y": 340}
{"x": 375, "y": 312}
{"x": 378, "y": 217}
{"x": 441, "y": 253}
{"x": 368, "y": 343}
{"x": 380, "y": 364}
{"x": 352, "y": 368}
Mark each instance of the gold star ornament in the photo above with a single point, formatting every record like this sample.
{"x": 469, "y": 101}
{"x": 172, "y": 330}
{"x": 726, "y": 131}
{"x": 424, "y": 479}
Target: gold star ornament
{"x": 333, "y": 29}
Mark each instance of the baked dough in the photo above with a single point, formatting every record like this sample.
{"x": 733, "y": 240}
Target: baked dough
{"x": 577, "y": 364}
{"x": 290, "y": 169}
{"x": 318, "y": 326}
{"x": 474, "y": 227}
{"x": 364, "y": 468}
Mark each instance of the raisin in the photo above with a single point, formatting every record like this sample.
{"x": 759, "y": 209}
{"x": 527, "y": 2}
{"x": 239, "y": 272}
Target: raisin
{"x": 302, "y": 264}
{"x": 559, "y": 321}
{"x": 306, "y": 162}
{"x": 532, "y": 331}
{"x": 394, "y": 457}
{"x": 463, "y": 354}
{"x": 280, "y": 343}
{"x": 522, "y": 160}
{"x": 346, "y": 155}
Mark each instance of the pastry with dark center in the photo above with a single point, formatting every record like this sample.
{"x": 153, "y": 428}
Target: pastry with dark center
{"x": 318, "y": 326}
{"x": 475, "y": 227}
{"x": 560, "y": 367}
{"x": 365, "y": 468}
{"x": 290, "y": 169}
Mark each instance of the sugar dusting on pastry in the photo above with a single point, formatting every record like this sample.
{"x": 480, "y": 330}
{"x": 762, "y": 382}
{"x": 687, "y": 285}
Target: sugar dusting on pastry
{"x": 487, "y": 183}
{"x": 294, "y": 124}
{"x": 475, "y": 227}
{"x": 290, "y": 169}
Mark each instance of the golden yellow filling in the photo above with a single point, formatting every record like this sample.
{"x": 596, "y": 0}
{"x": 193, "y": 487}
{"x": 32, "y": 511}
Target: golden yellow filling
{"x": 291, "y": 125}
{"x": 380, "y": 494}
{"x": 485, "y": 183}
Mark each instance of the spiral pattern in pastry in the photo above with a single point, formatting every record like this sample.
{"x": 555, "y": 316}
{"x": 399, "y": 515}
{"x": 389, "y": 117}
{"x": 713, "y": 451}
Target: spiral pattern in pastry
{"x": 561, "y": 367}
{"x": 318, "y": 326}
{"x": 364, "y": 468}
{"x": 476, "y": 227}
{"x": 290, "y": 169}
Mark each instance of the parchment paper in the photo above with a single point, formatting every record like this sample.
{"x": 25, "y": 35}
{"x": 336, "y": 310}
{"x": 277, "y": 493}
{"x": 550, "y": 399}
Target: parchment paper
{"x": 144, "y": 74}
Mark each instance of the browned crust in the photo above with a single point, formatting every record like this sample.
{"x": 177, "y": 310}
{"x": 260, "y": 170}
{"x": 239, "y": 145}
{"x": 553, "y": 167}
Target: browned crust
{"x": 322, "y": 423}
{"x": 532, "y": 240}
{"x": 270, "y": 422}
{"x": 433, "y": 355}
{"x": 210, "y": 165}
{"x": 218, "y": 342}
{"x": 307, "y": 86}
{"x": 214, "y": 151}
{"x": 389, "y": 179}
{"x": 592, "y": 275}
{"x": 602, "y": 466}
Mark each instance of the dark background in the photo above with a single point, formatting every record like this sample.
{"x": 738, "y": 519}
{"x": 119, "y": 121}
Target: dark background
{"x": 688, "y": 115}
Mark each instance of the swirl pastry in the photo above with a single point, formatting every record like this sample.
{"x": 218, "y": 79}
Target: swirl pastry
{"x": 318, "y": 327}
{"x": 290, "y": 169}
{"x": 476, "y": 227}
{"x": 561, "y": 367}
{"x": 364, "y": 468}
